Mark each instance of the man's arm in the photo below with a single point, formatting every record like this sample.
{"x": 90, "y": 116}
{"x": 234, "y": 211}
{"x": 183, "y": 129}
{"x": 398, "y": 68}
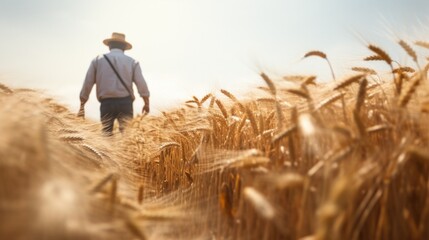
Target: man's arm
{"x": 88, "y": 83}
{"x": 86, "y": 88}
{"x": 142, "y": 87}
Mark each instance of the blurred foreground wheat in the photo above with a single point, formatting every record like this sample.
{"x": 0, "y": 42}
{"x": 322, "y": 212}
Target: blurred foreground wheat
{"x": 295, "y": 160}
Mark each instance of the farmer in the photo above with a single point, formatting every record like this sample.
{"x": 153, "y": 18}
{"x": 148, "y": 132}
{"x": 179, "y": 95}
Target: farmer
{"x": 114, "y": 74}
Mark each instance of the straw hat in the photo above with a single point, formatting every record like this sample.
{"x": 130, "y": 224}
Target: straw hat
{"x": 118, "y": 37}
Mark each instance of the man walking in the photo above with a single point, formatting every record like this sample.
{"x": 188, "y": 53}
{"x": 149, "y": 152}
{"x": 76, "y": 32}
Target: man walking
{"x": 113, "y": 74}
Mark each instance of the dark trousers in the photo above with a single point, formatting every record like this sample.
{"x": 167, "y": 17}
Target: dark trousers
{"x": 115, "y": 108}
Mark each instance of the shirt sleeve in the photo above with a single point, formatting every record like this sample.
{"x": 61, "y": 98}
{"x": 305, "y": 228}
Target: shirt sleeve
{"x": 89, "y": 82}
{"x": 140, "y": 81}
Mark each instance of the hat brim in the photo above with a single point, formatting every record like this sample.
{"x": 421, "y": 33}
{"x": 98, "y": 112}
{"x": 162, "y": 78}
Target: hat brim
{"x": 128, "y": 45}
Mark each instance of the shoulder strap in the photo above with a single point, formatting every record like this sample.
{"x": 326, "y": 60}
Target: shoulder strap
{"x": 119, "y": 76}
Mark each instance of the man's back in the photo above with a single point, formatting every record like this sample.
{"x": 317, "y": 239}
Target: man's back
{"x": 107, "y": 83}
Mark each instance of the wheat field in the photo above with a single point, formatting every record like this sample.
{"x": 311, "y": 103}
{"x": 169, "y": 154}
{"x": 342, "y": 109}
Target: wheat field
{"x": 295, "y": 159}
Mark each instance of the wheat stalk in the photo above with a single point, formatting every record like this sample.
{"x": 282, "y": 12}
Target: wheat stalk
{"x": 378, "y": 128}
{"x": 359, "y": 124}
{"x": 266, "y": 100}
{"x": 222, "y": 108}
{"x": 233, "y": 98}
{"x": 361, "y": 94}
{"x": 294, "y": 78}
{"x": 349, "y": 81}
{"x": 189, "y": 105}
{"x": 135, "y": 229}
{"x": 252, "y": 119}
{"x": 67, "y": 130}
{"x": 237, "y": 193}
{"x": 310, "y": 80}
{"x": 225, "y": 199}
{"x": 212, "y": 102}
{"x": 330, "y": 100}
{"x": 97, "y": 187}
{"x": 170, "y": 120}
{"x": 269, "y": 83}
{"x": 166, "y": 145}
{"x": 418, "y": 155}
{"x": 161, "y": 215}
{"x": 113, "y": 190}
{"x": 299, "y": 92}
{"x": 286, "y": 181}
{"x": 248, "y": 162}
{"x": 259, "y": 202}
{"x": 321, "y": 55}
{"x": 229, "y": 95}
{"x": 72, "y": 138}
{"x": 92, "y": 149}
{"x": 405, "y": 98}
{"x": 193, "y": 101}
{"x": 197, "y": 101}
{"x": 280, "y": 116}
{"x": 189, "y": 177}
{"x": 140, "y": 194}
{"x": 283, "y": 134}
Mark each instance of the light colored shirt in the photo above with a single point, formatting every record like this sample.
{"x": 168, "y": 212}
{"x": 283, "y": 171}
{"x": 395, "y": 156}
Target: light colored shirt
{"x": 107, "y": 83}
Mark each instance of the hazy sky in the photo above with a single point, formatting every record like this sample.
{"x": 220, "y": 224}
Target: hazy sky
{"x": 192, "y": 47}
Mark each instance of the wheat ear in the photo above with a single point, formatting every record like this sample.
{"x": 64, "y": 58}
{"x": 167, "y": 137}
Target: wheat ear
{"x": 269, "y": 83}
{"x": 324, "y": 56}
{"x": 422, "y": 44}
{"x": 405, "y": 98}
{"x": 403, "y": 70}
{"x": 5, "y": 89}
{"x": 381, "y": 53}
{"x": 205, "y": 98}
{"x": 373, "y": 58}
{"x": 315, "y": 53}
{"x": 252, "y": 119}
{"x": 222, "y": 108}
{"x": 410, "y": 51}
{"x": 349, "y": 81}
{"x": 367, "y": 71}
{"x": 361, "y": 94}
{"x": 299, "y": 92}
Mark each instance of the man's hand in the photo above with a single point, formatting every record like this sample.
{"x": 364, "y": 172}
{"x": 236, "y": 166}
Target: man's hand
{"x": 146, "y": 109}
{"x": 81, "y": 113}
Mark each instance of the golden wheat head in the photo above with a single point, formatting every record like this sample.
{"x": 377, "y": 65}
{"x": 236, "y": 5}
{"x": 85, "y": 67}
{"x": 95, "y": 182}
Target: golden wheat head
{"x": 315, "y": 53}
